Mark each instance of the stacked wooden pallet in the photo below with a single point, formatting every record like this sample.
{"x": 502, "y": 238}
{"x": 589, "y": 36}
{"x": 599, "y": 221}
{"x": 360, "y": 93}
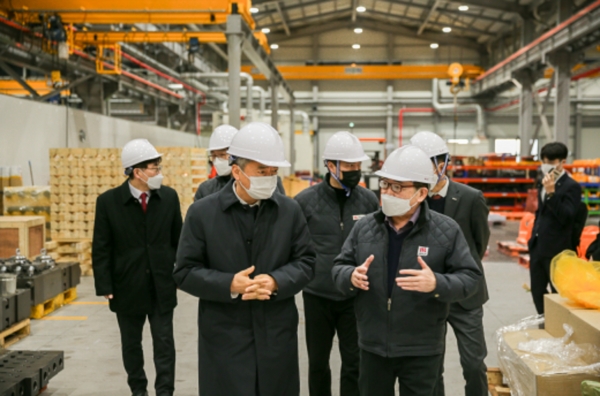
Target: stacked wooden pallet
{"x": 78, "y": 176}
{"x": 66, "y": 251}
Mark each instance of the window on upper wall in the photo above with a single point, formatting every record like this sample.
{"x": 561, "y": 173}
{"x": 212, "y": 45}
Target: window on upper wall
{"x": 511, "y": 146}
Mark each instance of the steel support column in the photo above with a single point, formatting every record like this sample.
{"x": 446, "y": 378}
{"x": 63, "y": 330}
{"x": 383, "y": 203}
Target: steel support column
{"x": 274, "y": 104}
{"x": 389, "y": 118}
{"x": 525, "y": 113}
{"x": 562, "y": 105}
{"x": 292, "y": 140}
{"x": 234, "y": 53}
{"x": 577, "y": 146}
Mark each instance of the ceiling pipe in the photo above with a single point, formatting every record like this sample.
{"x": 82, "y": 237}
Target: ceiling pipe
{"x": 246, "y": 76}
{"x": 409, "y": 110}
{"x": 255, "y": 88}
{"x": 297, "y": 113}
{"x": 450, "y": 107}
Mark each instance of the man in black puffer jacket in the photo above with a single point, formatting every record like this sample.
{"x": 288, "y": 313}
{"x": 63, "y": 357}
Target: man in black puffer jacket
{"x": 331, "y": 209}
{"x": 405, "y": 265}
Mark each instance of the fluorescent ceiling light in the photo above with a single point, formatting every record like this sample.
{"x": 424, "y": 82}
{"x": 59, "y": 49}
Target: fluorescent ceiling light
{"x": 266, "y": 30}
{"x": 447, "y": 29}
{"x": 458, "y": 141}
{"x": 434, "y": 45}
{"x": 463, "y": 8}
{"x": 361, "y": 9}
{"x": 356, "y": 46}
{"x": 175, "y": 86}
{"x": 358, "y": 30}
{"x": 274, "y": 46}
{"x": 254, "y": 10}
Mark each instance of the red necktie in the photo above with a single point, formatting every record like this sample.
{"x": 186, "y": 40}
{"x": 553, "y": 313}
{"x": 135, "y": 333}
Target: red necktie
{"x": 436, "y": 197}
{"x": 144, "y": 203}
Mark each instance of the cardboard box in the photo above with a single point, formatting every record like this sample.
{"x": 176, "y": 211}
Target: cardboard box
{"x": 557, "y": 311}
{"x": 532, "y": 376}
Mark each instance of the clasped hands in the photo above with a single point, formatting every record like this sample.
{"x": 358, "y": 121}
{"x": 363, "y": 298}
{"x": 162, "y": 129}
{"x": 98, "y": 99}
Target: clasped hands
{"x": 259, "y": 288}
{"x": 422, "y": 280}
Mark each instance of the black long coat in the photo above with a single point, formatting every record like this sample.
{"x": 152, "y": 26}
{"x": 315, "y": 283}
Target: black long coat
{"x": 133, "y": 253}
{"x": 245, "y": 347}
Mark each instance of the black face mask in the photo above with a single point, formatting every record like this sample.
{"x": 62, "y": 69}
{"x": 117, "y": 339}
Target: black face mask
{"x": 351, "y": 178}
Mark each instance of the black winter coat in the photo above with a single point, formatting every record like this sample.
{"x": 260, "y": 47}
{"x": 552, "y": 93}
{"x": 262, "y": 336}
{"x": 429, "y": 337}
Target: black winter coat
{"x": 409, "y": 323}
{"x": 133, "y": 253}
{"x": 555, "y": 219}
{"x": 329, "y": 227}
{"x": 241, "y": 342}
{"x": 216, "y": 184}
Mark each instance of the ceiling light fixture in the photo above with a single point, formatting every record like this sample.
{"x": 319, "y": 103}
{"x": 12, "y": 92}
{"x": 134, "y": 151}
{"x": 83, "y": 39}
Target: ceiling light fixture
{"x": 358, "y": 30}
{"x": 434, "y": 45}
{"x": 265, "y": 30}
{"x": 361, "y": 9}
{"x": 254, "y": 10}
{"x": 463, "y": 8}
{"x": 175, "y": 87}
{"x": 447, "y": 29}
{"x": 274, "y": 46}
{"x": 356, "y": 46}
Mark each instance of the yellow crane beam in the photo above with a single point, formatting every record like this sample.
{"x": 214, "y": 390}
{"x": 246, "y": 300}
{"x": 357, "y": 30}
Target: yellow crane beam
{"x": 130, "y": 11}
{"x": 82, "y": 38}
{"x": 366, "y": 72}
{"x": 42, "y": 87}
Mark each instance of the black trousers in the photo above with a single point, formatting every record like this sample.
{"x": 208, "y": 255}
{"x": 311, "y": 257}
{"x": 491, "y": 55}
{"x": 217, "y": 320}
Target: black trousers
{"x": 325, "y": 317}
{"x": 539, "y": 275}
{"x": 161, "y": 327}
{"x": 417, "y": 375}
{"x": 468, "y": 328}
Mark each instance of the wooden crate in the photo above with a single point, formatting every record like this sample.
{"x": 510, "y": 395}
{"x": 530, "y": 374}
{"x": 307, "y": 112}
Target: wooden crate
{"x": 27, "y": 233}
{"x": 496, "y": 385}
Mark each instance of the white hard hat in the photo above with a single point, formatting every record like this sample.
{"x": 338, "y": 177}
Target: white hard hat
{"x": 221, "y": 137}
{"x": 138, "y": 151}
{"x": 344, "y": 146}
{"x": 431, "y": 143}
{"x": 259, "y": 142}
{"x": 408, "y": 163}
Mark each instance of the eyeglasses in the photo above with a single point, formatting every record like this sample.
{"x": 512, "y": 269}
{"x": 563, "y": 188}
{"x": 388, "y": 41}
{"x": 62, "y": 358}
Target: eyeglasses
{"x": 158, "y": 168}
{"x": 397, "y": 188}
{"x": 224, "y": 156}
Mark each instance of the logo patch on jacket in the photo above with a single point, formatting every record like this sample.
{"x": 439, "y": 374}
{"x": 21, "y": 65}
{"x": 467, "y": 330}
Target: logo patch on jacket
{"x": 357, "y": 217}
{"x": 423, "y": 251}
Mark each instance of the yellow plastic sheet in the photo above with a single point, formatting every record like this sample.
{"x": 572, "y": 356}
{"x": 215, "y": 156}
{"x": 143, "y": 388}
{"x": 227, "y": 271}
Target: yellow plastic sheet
{"x": 576, "y": 279}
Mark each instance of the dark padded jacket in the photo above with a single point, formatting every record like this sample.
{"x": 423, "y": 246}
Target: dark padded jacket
{"x": 329, "y": 227}
{"x": 216, "y": 184}
{"x": 409, "y": 323}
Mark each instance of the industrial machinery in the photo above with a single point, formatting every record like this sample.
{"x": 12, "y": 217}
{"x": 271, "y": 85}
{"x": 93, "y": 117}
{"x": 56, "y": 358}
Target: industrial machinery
{"x": 27, "y": 373}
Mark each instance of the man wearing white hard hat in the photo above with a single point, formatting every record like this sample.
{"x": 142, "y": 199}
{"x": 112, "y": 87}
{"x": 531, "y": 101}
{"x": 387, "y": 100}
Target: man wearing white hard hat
{"x": 331, "y": 209}
{"x": 246, "y": 252}
{"x": 405, "y": 264}
{"x": 218, "y": 145}
{"x": 136, "y": 234}
{"x": 468, "y": 208}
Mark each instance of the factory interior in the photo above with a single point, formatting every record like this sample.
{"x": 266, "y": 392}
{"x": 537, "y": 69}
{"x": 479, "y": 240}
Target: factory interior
{"x": 496, "y": 80}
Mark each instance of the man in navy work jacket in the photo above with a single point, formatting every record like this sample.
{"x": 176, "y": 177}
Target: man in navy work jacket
{"x": 467, "y": 207}
{"x": 331, "y": 209}
{"x": 246, "y": 252}
{"x": 405, "y": 264}
{"x": 136, "y": 234}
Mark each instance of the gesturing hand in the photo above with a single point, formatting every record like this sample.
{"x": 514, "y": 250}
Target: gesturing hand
{"x": 422, "y": 280}
{"x": 549, "y": 183}
{"x": 241, "y": 281}
{"x": 263, "y": 286}
{"x": 359, "y": 278}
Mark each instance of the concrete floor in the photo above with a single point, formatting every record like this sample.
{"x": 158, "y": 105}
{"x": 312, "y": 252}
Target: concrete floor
{"x": 93, "y": 365}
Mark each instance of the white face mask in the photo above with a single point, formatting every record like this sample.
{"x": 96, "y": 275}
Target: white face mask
{"x": 394, "y": 206}
{"x": 261, "y": 187}
{"x": 222, "y": 166}
{"x": 547, "y": 168}
{"x": 153, "y": 182}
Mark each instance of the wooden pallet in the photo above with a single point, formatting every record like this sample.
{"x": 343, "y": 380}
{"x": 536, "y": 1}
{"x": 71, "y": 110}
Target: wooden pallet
{"x": 524, "y": 260}
{"x": 15, "y": 333}
{"x": 496, "y": 384}
{"x": 512, "y": 249}
{"x": 44, "y": 309}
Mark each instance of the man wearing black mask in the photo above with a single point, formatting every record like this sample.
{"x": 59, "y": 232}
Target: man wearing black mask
{"x": 331, "y": 209}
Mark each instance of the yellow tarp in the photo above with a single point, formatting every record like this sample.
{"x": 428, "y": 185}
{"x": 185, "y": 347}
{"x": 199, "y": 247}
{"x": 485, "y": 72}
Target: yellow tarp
{"x": 576, "y": 279}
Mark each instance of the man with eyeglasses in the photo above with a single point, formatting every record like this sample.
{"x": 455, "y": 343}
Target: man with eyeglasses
{"x": 405, "y": 264}
{"x": 467, "y": 206}
{"x": 219, "y": 143}
{"x": 136, "y": 234}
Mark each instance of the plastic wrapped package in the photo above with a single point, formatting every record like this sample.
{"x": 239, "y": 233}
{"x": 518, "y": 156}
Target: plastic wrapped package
{"x": 576, "y": 279}
{"x": 534, "y": 363}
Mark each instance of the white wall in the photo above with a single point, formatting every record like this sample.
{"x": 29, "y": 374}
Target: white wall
{"x": 29, "y": 129}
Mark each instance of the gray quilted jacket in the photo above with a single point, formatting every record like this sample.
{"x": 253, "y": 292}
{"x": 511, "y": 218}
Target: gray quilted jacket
{"x": 329, "y": 227}
{"x": 408, "y": 323}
